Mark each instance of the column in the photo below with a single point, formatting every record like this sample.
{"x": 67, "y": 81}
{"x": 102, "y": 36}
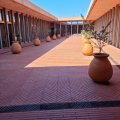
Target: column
{"x": 77, "y": 27}
{"x": 66, "y": 29}
{"x": 1, "y": 45}
{"x": 118, "y": 27}
{"x": 33, "y": 28}
{"x": 7, "y": 41}
{"x": 71, "y": 28}
{"x": 40, "y": 29}
{"x": 23, "y": 28}
{"x": 114, "y": 26}
{"x": 12, "y": 24}
{"x": 60, "y": 28}
{"x": 43, "y": 29}
{"x": 30, "y": 28}
{"x": 110, "y": 29}
{"x": 54, "y": 28}
{"x": 18, "y": 28}
{"x": 83, "y": 25}
{"x": 26, "y": 28}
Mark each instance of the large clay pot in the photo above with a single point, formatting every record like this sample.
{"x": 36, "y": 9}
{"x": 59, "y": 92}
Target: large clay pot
{"x": 54, "y": 37}
{"x": 59, "y": 36}
{"x": 36, "y": 41}
{"x": 100, "y": 69}
{"x": 84, "y": 40}
{"x": 16, "y": 47}
{"x": 83, "y": 36}
{"x": 87, "y": 49}
{"x": 48, "y": 39}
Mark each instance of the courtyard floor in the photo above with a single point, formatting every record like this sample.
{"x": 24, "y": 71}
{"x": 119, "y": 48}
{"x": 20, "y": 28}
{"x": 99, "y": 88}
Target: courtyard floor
{"x": 51, "y": 82}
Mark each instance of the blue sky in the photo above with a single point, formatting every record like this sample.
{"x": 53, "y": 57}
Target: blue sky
{"x": 64, "y": 8}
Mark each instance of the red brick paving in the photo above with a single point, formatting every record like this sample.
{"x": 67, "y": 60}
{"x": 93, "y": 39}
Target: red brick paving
{"x": 52, "y": 83}
{"x": 79, "y": 114}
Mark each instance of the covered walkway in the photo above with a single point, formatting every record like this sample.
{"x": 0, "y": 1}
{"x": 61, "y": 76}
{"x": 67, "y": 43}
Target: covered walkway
{"x": 50, "y": 82}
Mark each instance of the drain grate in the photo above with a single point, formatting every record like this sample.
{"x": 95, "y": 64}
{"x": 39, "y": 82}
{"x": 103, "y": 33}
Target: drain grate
{"x": 58, "y": 106}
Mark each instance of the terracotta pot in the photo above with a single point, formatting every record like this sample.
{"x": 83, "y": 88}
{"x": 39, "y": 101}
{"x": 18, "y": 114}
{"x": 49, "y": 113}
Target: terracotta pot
{"x": 59, "y": 36}
{"x": 54, "y": 37}
{"x": 87, "y": 49}
{"x": 48, "y": 39}
{"x": 84, "y": 40}
{"x": 100, "y": 69}
{"x": 36, "y": 41}
{"x": 83, "y": 36}
{"x": 16, "y": 47}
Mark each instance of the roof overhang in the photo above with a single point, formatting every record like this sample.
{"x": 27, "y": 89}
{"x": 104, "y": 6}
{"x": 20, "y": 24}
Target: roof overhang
{"x": 70, "y": 19}
{"x": 100, "y": 7}
{"x": 26, "y": 7}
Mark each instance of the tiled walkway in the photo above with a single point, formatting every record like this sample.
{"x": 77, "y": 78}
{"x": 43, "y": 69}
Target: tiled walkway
{"x": 56, "y": 73}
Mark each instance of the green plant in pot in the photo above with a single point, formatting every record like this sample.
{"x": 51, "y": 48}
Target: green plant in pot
{"x": 36, "y": 31}
{"x": 83, "y": 32}
{"x": 54, "y": 35}
{"x": 48, "y": 38}
{"x": 87, "y": 33}
{"x": 84, "y": 36}
{"x": 16, "y": 47}
{"x": 58, "y": 35}
{"x": 87, "y": 48}
{"x": 100, "y": 69}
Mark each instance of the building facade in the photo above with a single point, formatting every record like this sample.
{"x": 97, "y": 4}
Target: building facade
{"x": 103, "y": 11}
{"x": 24, "y": 20}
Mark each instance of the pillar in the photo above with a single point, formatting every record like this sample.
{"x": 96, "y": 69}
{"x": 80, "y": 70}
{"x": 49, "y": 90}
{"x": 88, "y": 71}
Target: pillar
{"x": 54, "y": 28}
{"x": 117, "y": 26}
{"x": 12, "y": 25}
{"x": 71, "y": 28}
{"x": 1, "y": 45}
{"x": 77, "y": 27}
{"x": 114, "y": 26}
{"x": 66, "y": 29}
{"x": 7, "y": 40}
{"x": 60, "y": 28}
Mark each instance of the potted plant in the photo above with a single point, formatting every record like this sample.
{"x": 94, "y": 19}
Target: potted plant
{"x": 87, "y": 48}
{"x": 36, "y": 41}
{"x": 84, "y": 36}
{"x": 87, "y": 33}
{"x": 58, "y": 35}
{"x": 16, "y": 47}
{"x": 100, "y": 69}
{"x": 48, "y": 38}
{"x": 83, "y": 32}
{"x": 54, "y": 37}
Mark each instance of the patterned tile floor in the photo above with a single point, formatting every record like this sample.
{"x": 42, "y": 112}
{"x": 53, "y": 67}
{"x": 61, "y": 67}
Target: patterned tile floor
{"x": 56, "y": 72}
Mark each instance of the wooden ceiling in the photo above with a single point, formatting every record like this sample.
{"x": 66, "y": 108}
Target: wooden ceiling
{"x": 100, "y": 7}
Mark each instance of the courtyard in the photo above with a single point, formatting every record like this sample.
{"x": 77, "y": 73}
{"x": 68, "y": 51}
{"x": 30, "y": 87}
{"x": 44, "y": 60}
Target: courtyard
{"x": 51, "y": 82}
